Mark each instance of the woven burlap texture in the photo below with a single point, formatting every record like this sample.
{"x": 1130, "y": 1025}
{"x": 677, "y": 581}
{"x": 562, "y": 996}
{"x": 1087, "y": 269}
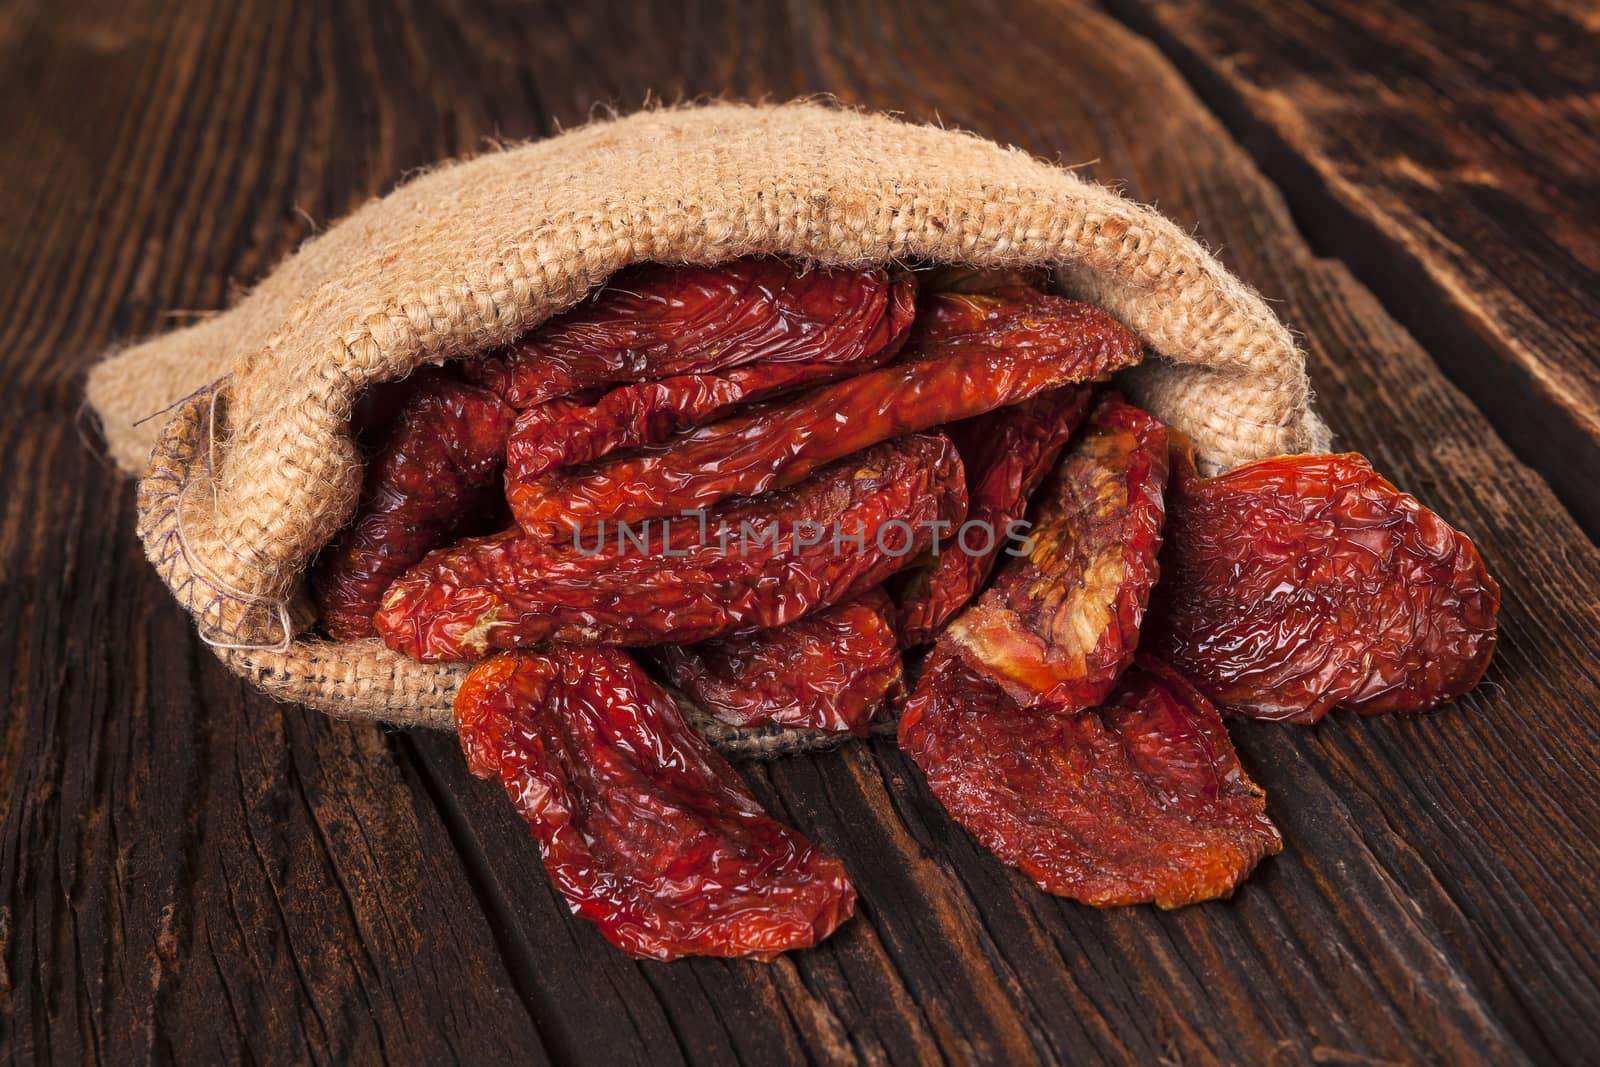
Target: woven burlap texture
{"x": 255, "y": 469}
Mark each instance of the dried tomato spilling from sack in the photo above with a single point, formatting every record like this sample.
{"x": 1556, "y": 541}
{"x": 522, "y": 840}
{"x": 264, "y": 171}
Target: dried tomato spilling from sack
{"x": 1139, "y": 800}
{"x": 654, "y": 321}
{"x": 644, "y": 829}
{"x": 1298, "y": 584}
{"x": 433, "y": 479}
{"x": 759, "y": 564}
{"x": 1006, "y": 453}
{"x": 787, "y": 409}
{"x": 1060, "y": 624}
{"x": 832, "y": 670}
{"x": 1004, "y": 353}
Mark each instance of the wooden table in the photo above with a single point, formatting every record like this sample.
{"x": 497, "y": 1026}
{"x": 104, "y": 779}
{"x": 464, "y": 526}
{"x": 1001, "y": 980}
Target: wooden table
{"x": 190, "y": 871}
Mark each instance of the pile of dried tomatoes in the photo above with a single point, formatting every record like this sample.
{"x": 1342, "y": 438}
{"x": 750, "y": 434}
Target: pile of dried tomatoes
{"x": 770, "y": 487}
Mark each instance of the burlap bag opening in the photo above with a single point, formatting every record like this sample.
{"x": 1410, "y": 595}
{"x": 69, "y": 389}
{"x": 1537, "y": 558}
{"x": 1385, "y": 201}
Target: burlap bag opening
{"x": 254, "y": 469}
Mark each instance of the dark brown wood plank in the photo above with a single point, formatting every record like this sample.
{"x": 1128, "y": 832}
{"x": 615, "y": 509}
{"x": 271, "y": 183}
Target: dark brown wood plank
{"x": 190, "y": 871}
{"x": 186, "y": 872}
{"x": 1448, "y": 152}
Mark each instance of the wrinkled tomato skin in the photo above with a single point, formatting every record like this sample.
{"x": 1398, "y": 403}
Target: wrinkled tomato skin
{"x": 1004, "y": 317}
{"x": 1006, "y": 453}
{"x": 643, "y": 828}
{"x": 654, "y": 321}
{"x": 1003, "y": 353}
{"x": 435, "y": 477}
{"x": 1058, "y": 625}
{"x": 567, "y": 432}
{"x": 1142, "y": 800}
{"x": 832, "y": 670}
{"x": 1297, "y": 584}
{"x": 513, "y": 592}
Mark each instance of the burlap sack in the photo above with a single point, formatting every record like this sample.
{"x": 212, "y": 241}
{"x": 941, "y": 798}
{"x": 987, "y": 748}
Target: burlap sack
{"x": 254, "y": 470}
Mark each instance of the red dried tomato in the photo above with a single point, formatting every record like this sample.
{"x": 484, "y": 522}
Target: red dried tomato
{"x": 1296, "y": 584}
{"x": 653, "y": 321}
{"x": 644, "y": 829}
{"x": 1058, "y": 625}
{"x": 998, "y": 352}
{"x": 1141, "y": 800}
{"x": 999, "y": 315}
{"x": 832, "y": 670}
{"x": 435, "y": 476}
{"x": 565, "y": 432}
{"x": 1006, "y": 453}
{"x": 761, "y": 564}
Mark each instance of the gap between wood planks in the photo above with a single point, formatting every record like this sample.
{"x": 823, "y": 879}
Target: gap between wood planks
{"x": 1547, "y": 436}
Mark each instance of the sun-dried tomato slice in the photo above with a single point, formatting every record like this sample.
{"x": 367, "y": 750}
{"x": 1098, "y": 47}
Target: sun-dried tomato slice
{"x": 435, "y": 476}
{"x": 1297, "y": 584}
{"x": 761, "y": 564}
{"x": 1058, "y": 625}
{"x": 565, "y": 432}
{"x": 996, "y": 314}
{"x": 1140, "y": 800}
{"x": 654, "y": 321}
{"x": 1006, "y": 453}
{"x": 832, "y": 670}
{"x": 998, "y": 351}
{"x": 644, "y": 829}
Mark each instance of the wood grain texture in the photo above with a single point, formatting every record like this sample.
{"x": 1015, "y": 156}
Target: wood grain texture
{"x": 1449, "y": 153}
{"x": 188, "y": 871}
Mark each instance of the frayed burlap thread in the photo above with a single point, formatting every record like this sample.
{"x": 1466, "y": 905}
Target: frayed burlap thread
{"x": 247, "y": 480}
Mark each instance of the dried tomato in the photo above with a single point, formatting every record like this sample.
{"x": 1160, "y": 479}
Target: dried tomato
{"x": 654, "y": 321}
{"x": 761, "y": 564}
{"x": 1141, "y": 800}
{"x": 1058, "y": 625}
{"x": 561, "y": 433}
{"x": 998, "y": 352}
{"x": 1297, "y": 584}
{"x": 831, "y": 670}
{"x": 435, "y": 476}
{"x": 644, "y": 829}
{"x": 995, "y": 313}
{"x": 1006, "y": 453}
